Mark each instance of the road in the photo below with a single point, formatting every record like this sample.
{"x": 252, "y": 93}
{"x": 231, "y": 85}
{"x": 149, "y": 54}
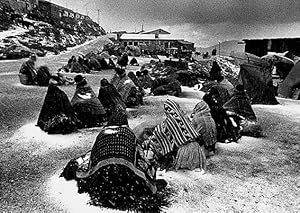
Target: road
{"x": 22, "y": 174}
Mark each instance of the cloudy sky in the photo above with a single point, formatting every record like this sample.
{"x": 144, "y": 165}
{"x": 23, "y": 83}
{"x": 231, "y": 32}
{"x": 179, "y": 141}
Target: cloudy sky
{"x": 204, "y": 22}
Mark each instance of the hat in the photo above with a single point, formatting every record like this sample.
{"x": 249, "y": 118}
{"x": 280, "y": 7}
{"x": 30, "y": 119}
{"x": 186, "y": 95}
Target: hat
{"x": 78, "y": 79}
{"x": 33, "y": 56}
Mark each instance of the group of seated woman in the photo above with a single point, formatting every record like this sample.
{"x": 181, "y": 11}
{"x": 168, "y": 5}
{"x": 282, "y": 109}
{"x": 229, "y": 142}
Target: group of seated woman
{"x": 84, "y": 64}
{"x": 41, "y": 76}
{"x": 159, "y": 86}
{"x": 230, "y": 108}
{"x": 120, "y": 170}
{"x": 128, "y": 90}
{"x": 59, "y": 115}
{"x": 90, "y": 110}
{"x": 233, "y": 114}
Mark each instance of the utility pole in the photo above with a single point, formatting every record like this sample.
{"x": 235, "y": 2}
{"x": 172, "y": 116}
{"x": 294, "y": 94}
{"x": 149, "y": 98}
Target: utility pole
{"x": 98, "y": 16}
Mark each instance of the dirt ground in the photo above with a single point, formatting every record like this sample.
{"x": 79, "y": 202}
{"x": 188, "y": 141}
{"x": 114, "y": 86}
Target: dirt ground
{"x": 253, "y": 175}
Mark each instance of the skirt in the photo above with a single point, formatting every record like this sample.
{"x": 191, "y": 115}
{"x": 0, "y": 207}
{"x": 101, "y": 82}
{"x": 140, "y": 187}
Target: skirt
{"x": 117, "y": 186}
{"x": 190, "y": 156}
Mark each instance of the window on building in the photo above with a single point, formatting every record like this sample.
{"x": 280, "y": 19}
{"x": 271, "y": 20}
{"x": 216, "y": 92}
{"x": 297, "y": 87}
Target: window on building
{"x": 141, "y": 42}
{"x": 130, "y": 43}
{"x": 135, "y": 43}
{"x": 66, "y": 14}
{"x": 147, "y": 42}
{"x": 125, "y": 43}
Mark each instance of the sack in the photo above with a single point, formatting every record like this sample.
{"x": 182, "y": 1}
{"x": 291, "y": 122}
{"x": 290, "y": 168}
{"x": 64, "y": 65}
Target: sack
{"x": 23, "y": 79}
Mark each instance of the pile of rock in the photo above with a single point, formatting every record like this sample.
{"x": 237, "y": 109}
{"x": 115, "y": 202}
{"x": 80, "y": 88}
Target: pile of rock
{"x": 42, "y": 38}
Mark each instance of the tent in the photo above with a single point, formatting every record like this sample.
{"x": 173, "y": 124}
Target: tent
{"x": 258, "y": 83}
{"x": 291, "y": 82}
{"x": 282, "y": 63}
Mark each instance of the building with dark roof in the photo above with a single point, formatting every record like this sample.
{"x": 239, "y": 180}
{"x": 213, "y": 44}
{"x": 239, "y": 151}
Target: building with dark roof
{"x": 261, "y": 47}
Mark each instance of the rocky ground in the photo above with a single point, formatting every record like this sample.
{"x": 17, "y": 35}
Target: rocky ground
{"x": 253, "y": 175}
{"x": 43, "y": 36}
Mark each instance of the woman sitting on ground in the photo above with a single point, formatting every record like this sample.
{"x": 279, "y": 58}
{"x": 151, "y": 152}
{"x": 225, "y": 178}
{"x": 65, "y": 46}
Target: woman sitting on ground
{"x": 86, "y": 104}
{"x": 137, "y": 82}
{"x": 175, "y": 143}
{"x": 109, "y": 97}
{"x": 57, "y": 115}
{"x": 43, "y": 76}
{"x": 228, "y": 128}
{"x": 205, "y": 125}
{"x": 127, "y": 89}
{"x": 28, "y": 71}
{"x": 115, "y": 173}
{"x": 240, "y": 105}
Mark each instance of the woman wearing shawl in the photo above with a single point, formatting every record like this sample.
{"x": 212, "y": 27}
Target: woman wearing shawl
{"x": 28, "y": 71}
{"x": 127, "y": 89}
{"x": 205, "y": 125}
{"x": 176, "y": 137}
{"x": 43, "y": 76}
{"x": 240, "y": 104}
{"x": 86, "y": 104}
{"x": 109, "y": 97}
{"x": 57, "y": 115}
{"x": 227, "y": 127}
{"x": 137, "y": 83}
{"x": 116, "y": 174}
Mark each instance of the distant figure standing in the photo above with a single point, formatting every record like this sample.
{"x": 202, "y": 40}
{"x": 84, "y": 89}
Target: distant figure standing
{"x": 28, "y": 71}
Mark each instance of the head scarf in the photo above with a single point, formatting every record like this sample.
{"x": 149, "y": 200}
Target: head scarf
{"x": 201, "y": 108}
{"x": 178, "y": 124}
{"x": 162, "y": 137}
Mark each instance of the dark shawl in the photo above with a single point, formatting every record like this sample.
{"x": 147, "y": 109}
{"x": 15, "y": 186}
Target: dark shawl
{"x": 109, "y": 96}
{"x": 43, "y": 76}
{"x": 90, "y": 111}
{"x": 57, "y": 114}
{"x": 220, "y": 93}
{"x": 29, "y": 70}
{"x": 240, "y": 104}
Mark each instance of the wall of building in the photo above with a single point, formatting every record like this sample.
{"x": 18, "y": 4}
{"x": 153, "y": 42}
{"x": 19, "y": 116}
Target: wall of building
{"x": 263, "y": 46}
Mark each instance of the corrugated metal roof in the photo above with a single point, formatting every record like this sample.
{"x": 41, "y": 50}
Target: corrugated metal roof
{"x": 271, "y": 38}
{"x": 129, "y": 36}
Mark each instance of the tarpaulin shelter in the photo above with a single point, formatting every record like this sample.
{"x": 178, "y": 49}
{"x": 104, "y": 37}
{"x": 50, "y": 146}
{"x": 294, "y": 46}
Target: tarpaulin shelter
{"x": 257, "y": 81}
{"x": 282, "y": 63}
{"x": 291, "y": 82}
{"x": 248, "y": 58}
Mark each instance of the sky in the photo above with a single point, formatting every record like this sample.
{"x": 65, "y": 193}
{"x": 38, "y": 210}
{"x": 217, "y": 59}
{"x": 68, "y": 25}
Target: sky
{"x": 204, "y": 22}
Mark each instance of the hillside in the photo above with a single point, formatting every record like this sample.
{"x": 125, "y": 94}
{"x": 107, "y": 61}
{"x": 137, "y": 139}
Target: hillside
{"x": 226, "y": 48}
{"x": 20, "y": 37}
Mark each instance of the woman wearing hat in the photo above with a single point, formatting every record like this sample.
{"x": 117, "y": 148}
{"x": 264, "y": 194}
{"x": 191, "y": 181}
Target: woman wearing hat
{"x": 87, "y": 106}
